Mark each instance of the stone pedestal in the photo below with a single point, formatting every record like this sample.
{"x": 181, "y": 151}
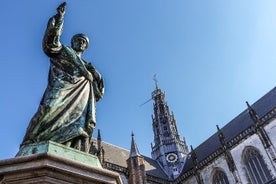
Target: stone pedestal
{"x": 55, "y": 168}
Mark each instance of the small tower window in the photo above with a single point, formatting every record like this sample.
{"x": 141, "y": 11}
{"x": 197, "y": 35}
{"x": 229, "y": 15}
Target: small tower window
{"x": 175, "y": 171}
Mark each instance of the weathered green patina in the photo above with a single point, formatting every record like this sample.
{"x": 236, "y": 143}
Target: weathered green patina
{"x": 60, "y": 150}
{"x": 67, "y": 111}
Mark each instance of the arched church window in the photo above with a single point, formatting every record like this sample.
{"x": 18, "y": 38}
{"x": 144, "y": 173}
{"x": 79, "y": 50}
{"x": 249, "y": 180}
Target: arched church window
{"x": 220, "y": 178}
{"x": 255, "y": 167}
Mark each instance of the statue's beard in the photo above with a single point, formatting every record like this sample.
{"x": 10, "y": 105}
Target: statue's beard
{"x": 79, "y": 49}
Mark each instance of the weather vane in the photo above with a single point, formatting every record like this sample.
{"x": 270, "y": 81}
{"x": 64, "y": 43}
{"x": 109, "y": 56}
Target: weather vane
{"x": 155, "y": 80}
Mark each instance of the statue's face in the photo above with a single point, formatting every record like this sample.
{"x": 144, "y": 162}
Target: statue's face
{"x": 79, "y": 44}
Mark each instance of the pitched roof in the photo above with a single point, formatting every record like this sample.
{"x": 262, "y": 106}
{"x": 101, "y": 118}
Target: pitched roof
{"x": 233, "y": 128}
{"x": 118, "y": 156}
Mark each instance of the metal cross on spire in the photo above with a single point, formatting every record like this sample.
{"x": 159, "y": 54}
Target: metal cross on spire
{"x": 156, "y": 85}
{"x": 155, "y": 80}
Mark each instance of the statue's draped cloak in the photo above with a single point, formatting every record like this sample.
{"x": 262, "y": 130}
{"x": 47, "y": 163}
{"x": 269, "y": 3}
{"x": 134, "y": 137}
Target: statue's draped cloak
{"x": 67, "y": 109}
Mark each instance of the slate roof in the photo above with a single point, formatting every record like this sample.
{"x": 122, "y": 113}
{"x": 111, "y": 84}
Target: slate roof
{"x": 233, "y": 128}
{"x": 118, "y": 156}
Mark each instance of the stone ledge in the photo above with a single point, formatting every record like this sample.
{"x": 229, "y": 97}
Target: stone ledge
{"x": 50, "y": 168}
{"x": 60, "y": 150}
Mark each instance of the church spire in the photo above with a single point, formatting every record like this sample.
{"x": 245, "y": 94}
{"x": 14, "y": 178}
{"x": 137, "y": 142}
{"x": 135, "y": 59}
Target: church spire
{"x": 134, "y": 152}
{"x": 99, "y": 135}
{"x": 99, "y": 140}
{"x": 136, "y": 165}
{"x": 168, "y": 148}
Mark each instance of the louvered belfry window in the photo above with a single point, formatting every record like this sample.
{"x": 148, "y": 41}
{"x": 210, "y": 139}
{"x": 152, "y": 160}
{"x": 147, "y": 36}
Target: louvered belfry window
{"x": 220, "y": 178}
{"x": 255, "y": 166}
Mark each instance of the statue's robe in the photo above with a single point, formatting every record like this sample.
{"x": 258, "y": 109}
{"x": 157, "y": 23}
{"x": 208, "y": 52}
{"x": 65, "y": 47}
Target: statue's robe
{"x": 68, "y": 107}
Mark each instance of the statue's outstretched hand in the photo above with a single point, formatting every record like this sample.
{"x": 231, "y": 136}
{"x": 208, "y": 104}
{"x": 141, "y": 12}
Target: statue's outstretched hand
{"x": 61, "y": 9}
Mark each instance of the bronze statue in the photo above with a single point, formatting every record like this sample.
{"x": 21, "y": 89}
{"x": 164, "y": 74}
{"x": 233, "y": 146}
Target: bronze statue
{"x": 67, "y": 110}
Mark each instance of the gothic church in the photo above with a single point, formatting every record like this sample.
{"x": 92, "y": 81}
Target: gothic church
{"x": 243, "y": 151}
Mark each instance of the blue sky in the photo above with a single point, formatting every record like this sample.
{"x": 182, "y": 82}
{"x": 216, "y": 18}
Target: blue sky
{"x": 210, "y": 56}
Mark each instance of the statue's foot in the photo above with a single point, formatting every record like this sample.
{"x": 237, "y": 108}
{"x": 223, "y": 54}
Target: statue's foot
{"x": 68, "y": 143}
{"x": 79, "y": 143}
{"x": 26, "y": 143}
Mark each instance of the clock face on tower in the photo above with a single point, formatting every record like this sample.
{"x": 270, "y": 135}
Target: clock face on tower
{"x": 171, "y": 157}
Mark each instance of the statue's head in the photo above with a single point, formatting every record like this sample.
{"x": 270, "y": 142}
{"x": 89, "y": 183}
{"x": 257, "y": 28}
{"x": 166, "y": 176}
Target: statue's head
{"x": 79, "y": 42}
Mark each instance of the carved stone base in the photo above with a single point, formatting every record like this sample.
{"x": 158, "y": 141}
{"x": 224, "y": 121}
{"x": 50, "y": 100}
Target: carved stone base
{"x": 59, "y": 150}
{"x": 50, "y": 168}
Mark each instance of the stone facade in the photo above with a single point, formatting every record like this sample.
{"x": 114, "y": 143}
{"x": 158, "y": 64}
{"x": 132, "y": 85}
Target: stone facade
{"x": 241, "y": 174}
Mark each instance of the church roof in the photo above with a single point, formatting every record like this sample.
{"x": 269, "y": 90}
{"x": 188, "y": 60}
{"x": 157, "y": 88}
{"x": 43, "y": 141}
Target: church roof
{"x": 118, "y": 156}
{"x": 233, "y": 128}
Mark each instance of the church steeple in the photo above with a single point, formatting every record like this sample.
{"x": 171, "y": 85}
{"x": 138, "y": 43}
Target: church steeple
{"x": 136, "y": 165}
{"x": 168, "y": 149}
{"x": 134, "y": 152}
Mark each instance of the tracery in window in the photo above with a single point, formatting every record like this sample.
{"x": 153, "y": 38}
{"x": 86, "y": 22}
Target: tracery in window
{"x": 255, "y": 167}
{"x": 220, "y": 178}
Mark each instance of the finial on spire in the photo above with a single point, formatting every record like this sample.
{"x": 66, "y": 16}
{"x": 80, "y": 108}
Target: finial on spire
{"x": 218, "y": 129}
{"x": 99, "y": 134}
{"x": 248, "y": 106}
{"x": 99, "y": 140}
{"x": 134, "y": 149}
{"x": 221, "y": 136}
{"x": 193, "y": 155}
{"x": 155, "y": 80}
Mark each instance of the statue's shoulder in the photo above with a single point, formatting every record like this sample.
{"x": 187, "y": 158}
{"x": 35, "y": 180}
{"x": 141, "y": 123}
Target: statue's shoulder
{"x": 67, "y": 48}
{"x": 67, "y": 51}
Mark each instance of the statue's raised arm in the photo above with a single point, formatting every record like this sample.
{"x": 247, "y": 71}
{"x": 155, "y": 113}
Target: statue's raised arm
{"x": 67, "y": 110}
{"x": 51, "y": 41}
{"x": 61, "y": 10}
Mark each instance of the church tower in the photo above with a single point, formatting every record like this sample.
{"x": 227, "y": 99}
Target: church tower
{"x": 136, "y": 165}
{"x": 168, "y": 148}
